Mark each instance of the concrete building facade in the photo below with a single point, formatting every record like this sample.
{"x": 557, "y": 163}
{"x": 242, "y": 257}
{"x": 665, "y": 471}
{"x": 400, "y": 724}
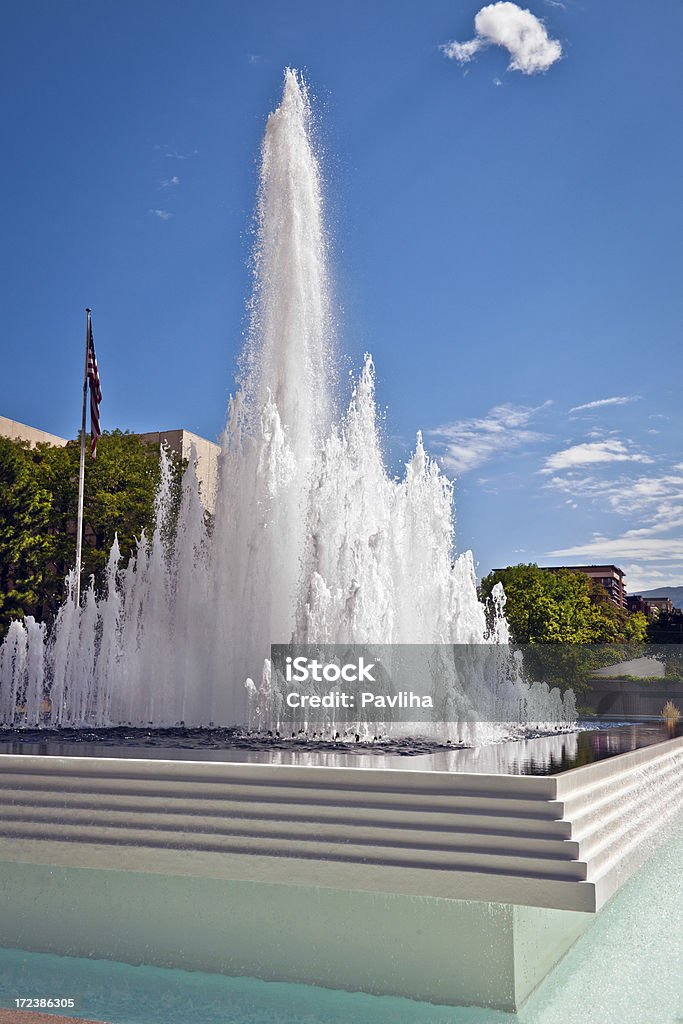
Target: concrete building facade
{"x": 22, "y": 432}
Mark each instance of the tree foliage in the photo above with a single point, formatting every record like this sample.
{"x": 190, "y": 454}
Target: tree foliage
{"x": 39, "y": 508}
{"x": 665, "y": 640}
{"x": 666, "y": 628}
{"x": 562, "y": 606}
{"x": 26, "y": 541}
{"x": 566, "y": 619}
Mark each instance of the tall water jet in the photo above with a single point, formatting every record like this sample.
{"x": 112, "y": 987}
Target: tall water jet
{"x": 312, "y": 540}
{"x": 283, "y": 408}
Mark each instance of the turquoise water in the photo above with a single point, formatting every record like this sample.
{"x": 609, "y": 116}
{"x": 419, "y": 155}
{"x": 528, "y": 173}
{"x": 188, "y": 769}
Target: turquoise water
{"x": 627, "y": 969}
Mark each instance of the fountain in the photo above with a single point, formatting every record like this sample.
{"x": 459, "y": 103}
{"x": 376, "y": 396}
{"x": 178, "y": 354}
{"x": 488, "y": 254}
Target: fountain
{"x": 460, "y": 881}
{"x": 313, "y": 542}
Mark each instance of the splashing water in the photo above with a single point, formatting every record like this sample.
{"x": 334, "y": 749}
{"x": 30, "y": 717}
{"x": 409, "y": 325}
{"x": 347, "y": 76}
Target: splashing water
{"x": 312, "y": 539}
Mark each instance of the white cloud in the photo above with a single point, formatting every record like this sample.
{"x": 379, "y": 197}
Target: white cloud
{"x": 601, "y": 402}
{"x": 578, "y": 487}
{"x": 462, "y": 52}
{"x": 663, "y": 521}
{"x": 169, "y": 182}
{"x": 161, "y": 214}
{"x": 519, "y": 31}
{"x": 659, "y": 496}
{"x": 590, "y": 453}
{"x": 659, "y": 507}
{"x": 654, "y": 503}
{"x": 651, "y": 550}
{"x": 649, "y": 577}
{"x": 616, "y": 549}
{"x": 467, "y": 444}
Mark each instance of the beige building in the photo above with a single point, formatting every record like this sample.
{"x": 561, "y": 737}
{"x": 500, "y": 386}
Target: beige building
{"x": 206, "y": 454}
{"x": 179, "y": 441}
{"x": 21, "y": 432}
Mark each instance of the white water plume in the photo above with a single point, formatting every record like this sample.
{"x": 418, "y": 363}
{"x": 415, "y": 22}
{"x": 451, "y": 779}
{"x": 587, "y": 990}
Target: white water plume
{"x": 312, "y": 540}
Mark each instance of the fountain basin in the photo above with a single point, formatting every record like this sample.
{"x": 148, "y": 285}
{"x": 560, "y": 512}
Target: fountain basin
{"x": 452, "y": 887}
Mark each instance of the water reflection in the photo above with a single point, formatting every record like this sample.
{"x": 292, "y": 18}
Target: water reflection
{"x": 540, "y": 755}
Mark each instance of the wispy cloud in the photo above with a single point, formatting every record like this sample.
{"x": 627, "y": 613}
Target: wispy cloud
{"x": 654, "y": 502}
{"x": 616, "y": 549}
{"x": 659, "y": 498}
{"x": 602, "y": 402}
{"x": 174, "y": 154}
{"x": 518, "y": 31}
{"x": 649, "y": 577}
{"x": 169, "y": 182}
{"x": 161, "y": 214}
{"x": 592, "y": 452}
{"x": 466, "y": 444}
{"x": 651, "y": 550}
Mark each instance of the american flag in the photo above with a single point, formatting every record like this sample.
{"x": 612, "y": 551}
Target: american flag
{"x": 95, "y": 393}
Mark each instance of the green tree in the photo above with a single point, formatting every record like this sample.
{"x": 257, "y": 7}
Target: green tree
{"x": 666, "y": 628}
{"x": 38, "y": 514}
{"x": 615, "y": 625}
{"x": 545, "y": 607}
{"x": 26, "y": 541}
{"x": 566, "y": 620}
{"x": 665, "y": 641}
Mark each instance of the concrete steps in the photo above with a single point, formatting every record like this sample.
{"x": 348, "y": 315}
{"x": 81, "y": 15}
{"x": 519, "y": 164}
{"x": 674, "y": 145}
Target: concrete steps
{"x": 454, "y": 858}
{"x": 175, "y": 830}
{"x": 532, "y": 840}
{"x": 407, "y": 816}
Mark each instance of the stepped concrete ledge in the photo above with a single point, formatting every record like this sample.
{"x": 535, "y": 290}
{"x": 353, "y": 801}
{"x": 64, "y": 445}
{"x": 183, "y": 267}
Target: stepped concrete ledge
{"x": 452, "y": 887}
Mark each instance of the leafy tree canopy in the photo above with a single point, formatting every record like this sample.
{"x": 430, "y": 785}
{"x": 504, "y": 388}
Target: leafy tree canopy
{"x": 39, "y": 507}
{"x": 554, "y": 612}
{"x": 545, "y": 607}
{"x": 26, "y": 541}
{"x": 666, "y": 628}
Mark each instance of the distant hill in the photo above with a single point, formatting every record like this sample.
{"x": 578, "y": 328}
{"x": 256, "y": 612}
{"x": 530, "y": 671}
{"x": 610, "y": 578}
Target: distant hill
{"x": 675, "y": 593}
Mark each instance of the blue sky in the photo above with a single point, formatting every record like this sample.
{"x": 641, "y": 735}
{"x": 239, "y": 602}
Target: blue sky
{"x": 507, "y": 242}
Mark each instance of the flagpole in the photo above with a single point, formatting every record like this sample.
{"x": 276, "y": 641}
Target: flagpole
{"x": 81, "y": 472}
